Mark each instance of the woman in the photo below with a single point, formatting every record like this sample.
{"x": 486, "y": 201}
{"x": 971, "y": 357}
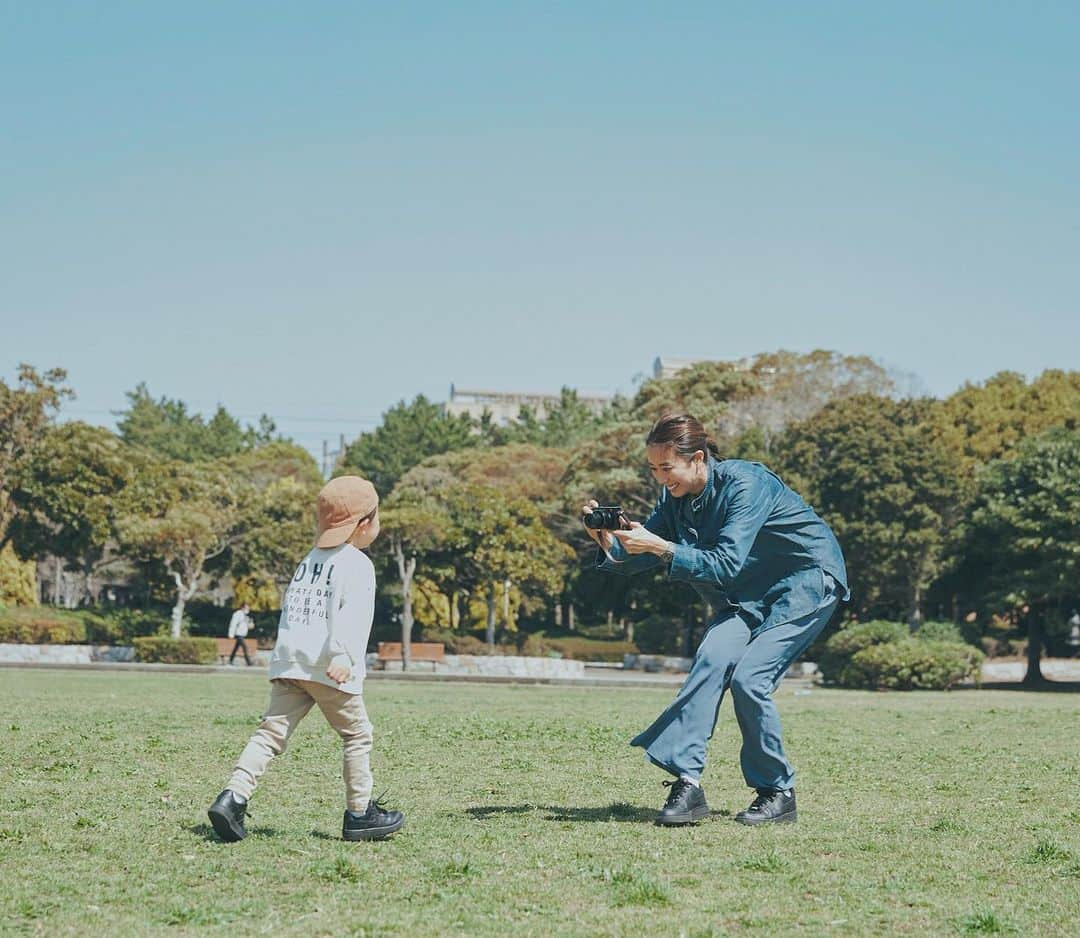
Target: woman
{"x": 757, "y": 553}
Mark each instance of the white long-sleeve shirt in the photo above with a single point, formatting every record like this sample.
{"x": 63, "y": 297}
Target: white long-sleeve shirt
{"x": 238, "y": 624}
{"x": 326, "y": 614}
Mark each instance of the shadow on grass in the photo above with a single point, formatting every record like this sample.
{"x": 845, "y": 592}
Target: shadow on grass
{"x": 206, "y": 832}
{"x": 1038, "y": 687}
{"x": 618, "y": 811}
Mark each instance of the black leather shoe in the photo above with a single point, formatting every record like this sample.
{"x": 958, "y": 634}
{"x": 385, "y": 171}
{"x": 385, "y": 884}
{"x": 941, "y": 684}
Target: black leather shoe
{"x": 374, "y": 824}
{"x": 770, "y": 807}
{"x": 227, "y": 816}
{"x": 685, "y": 804}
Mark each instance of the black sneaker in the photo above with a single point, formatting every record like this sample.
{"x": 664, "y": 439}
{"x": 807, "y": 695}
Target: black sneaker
{"x": 227, "y": 816}
{"x": 771, "y": 806}
{"x": 685, "y": 804}
{"x": 374, "y": 824}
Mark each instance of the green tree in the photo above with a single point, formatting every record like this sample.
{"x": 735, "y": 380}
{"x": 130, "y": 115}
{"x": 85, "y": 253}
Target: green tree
{"x": 746, "y": 404}
{"x": 705, "y": 389}
{"x": 67, "y": 495}
{"x": 276, "y": 487}
{"x": 165, "y": 427}
{"x": 496, "y": 538}
{"x": 873, "y": 468}
{"x": 276, "y": 460}
{"x": 990, "y": 421}
{"x": 414, "y": 526}
{"x": 408, "y": 434}
{"x": 529, "y": 471}
{"x": 181, "y": 515}
{"x": 17, "y": 587}
{"x": 274, "y": 527}
{"x": 792, "y": 387}
{"x": 566, "y": 422}
{"x": 1021, "y": 541}
{"x": 26, "y": 409}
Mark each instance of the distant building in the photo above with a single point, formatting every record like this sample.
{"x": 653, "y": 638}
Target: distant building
{"x": 504, "y": 406}
{"x": 664, "y": 368}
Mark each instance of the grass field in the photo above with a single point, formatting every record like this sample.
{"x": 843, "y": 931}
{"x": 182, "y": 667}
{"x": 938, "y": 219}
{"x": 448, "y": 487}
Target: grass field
{"x": 528, "y": 814}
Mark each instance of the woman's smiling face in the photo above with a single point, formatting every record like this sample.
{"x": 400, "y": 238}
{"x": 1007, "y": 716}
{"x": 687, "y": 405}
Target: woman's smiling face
{"x": 679, "y": 475}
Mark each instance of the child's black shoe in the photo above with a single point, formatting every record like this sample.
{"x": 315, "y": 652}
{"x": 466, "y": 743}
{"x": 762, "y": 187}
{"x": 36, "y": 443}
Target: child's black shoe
{"x": 227, "y": 816}
{"x": 374, "y": 824}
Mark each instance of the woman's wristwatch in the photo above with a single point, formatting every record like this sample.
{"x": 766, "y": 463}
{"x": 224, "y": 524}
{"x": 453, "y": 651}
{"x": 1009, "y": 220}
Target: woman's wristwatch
{"x": 669, "y": 552}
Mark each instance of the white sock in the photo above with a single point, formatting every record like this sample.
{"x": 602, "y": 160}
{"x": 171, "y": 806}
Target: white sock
{"x": 693, "y": 781}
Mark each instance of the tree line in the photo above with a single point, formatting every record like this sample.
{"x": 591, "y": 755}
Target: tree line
{"x": 962, "y": 508}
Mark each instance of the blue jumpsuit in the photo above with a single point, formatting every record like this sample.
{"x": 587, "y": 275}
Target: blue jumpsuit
{"x": 754, "y": 550}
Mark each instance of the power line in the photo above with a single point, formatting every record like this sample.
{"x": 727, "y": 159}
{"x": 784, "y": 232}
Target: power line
{"x": 294, "y": 419}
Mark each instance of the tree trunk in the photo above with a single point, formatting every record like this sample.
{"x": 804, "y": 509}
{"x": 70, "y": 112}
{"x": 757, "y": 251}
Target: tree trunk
{"x": 406, "y": 570}
{"x": 558, "y": 615}
{"x": 627, "y": 629}
{"x": 915, "y": 616}
{"x": 490, "y": 636}
{"x": 570, "y": 617}
{"x": 1034, "y": 675}
{"x": 181, "y": 601}
{"x": 506, "y": 605}
{"x": 455, "y": 611}
{"x": 688, "y": 635}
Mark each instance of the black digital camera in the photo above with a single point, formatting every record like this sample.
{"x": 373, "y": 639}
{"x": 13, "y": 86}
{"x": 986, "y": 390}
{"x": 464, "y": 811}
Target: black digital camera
{"x": 606, "y": 518}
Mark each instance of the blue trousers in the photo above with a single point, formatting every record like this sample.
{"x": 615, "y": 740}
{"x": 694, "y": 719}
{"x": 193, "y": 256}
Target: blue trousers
{"x": 752, "y": 668}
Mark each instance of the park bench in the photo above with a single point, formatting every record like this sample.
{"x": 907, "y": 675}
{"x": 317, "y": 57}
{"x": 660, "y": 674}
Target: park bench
{"x": 418, "y": 651}
{"x": 225, "y": 647}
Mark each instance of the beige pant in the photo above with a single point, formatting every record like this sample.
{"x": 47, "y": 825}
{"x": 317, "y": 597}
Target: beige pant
{"x": 290, "y": 700}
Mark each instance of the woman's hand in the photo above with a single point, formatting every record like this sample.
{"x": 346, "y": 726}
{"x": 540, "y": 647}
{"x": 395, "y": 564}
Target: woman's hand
{"x": 602, "y": 538}
{"x": 640, "y": 540}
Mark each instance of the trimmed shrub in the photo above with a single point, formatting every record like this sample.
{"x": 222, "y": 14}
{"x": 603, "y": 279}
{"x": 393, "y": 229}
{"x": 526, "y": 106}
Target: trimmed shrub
{"x": 120, "y": 626}
{"x": 940, "y": 632}
{"x": 588, "y": 649}
{"x": 163, "y": 649}
{"x": 1003, "y": 647}
{"x": 659, "y": 635}
{"x": 16, "y": 579}
{"x": 914, "y": 665}
{"x": 533, "y": 644}
{"x": 41, "y": 625}
{"x": 458, "y": 643}
{"x": 844, "y": 645}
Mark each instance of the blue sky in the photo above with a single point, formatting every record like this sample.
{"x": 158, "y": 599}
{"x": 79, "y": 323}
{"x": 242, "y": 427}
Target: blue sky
{"x": 315, "y": 210}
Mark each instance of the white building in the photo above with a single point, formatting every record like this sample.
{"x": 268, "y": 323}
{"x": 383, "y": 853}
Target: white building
{"x": 504, "y": 406}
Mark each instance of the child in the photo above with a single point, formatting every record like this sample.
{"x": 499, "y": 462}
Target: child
{"x": 319, "y": 659}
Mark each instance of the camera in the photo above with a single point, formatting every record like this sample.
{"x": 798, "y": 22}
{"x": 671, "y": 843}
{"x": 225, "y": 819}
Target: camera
{"x": 606, "y": 518}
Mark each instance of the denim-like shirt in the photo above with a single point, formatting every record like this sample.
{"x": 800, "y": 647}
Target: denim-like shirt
{"x": 747, "y": 543}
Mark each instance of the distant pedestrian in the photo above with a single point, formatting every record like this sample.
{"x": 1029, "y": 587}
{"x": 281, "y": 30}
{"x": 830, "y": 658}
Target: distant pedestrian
{"x": 238, "y": 629}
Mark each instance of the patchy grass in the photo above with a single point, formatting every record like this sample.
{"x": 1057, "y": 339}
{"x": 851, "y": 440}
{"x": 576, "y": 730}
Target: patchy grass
{"x": 529, "y": 815}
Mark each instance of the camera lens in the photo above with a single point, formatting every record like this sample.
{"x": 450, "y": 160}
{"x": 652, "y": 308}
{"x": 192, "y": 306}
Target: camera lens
{"x": 603, "y": 519}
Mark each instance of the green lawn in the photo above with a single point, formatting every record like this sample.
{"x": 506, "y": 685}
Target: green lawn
{"x": 528, "y": 814}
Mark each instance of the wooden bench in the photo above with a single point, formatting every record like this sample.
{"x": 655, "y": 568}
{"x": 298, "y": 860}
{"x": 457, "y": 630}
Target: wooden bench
{"x": 418, "y": 651}
{"x": 225, "y": 647}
